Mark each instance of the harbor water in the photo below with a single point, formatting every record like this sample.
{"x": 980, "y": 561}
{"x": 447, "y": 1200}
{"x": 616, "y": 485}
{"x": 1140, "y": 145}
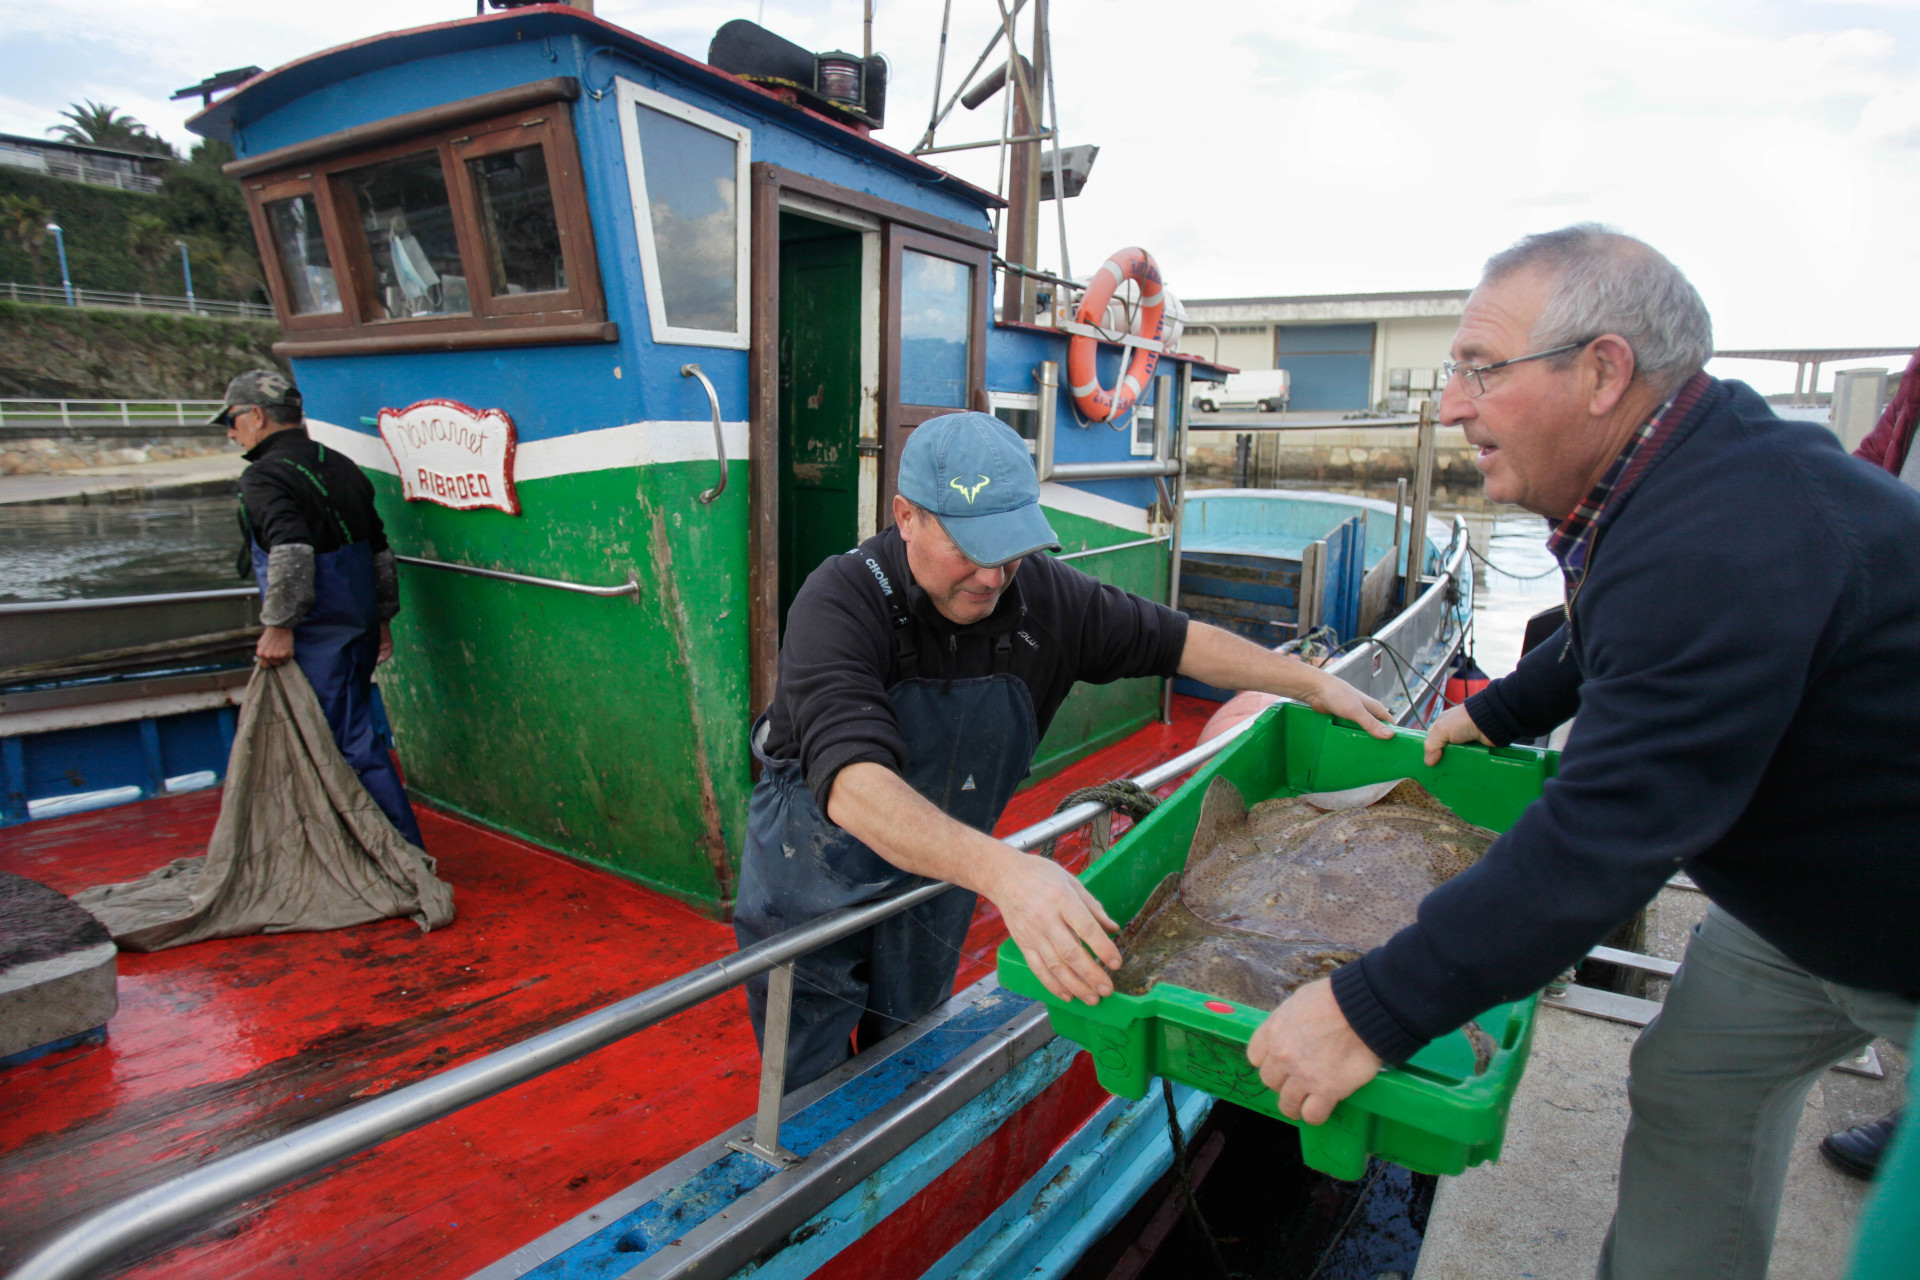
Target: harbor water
{"x": 67, "y": 551}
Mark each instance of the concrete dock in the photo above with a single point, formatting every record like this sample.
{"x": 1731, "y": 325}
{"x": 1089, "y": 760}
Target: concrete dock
{"x": 1541, "y": 1212}
{"x": 203, "y": 476}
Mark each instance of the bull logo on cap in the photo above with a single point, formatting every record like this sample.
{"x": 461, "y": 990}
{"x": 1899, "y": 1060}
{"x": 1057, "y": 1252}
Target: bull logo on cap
{"x": 968, "y": 493}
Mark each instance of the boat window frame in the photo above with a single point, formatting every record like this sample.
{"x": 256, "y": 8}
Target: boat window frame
{"x": 576, "y": 314}
{"x": 629, "y": 95}
{"x": 899, "y": 417}
{"x": 279, "y": 285}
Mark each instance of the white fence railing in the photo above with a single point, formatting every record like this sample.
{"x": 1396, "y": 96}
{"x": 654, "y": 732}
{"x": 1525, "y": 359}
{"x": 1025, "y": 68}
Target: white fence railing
{"x": 57, "y": 295}
{"x": 80, "y": 415}
{"x": 76, "y": 171}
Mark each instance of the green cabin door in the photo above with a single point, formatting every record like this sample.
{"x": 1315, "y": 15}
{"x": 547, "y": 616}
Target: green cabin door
{"x": 819, "y": 397}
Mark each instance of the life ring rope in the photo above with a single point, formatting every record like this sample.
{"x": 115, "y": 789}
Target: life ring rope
{"x": 1146, "y": 337}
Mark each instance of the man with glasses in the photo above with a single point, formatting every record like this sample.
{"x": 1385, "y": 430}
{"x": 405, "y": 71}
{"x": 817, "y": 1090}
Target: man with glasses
{"x": 328, "y": 585}
{"x": 1742, "y": 636}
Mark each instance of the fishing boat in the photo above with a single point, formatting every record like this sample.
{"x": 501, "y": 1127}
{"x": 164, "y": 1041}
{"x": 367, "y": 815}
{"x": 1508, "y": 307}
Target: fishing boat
{"x": 1338, "y": 577}
{"x": 627, "y": 343}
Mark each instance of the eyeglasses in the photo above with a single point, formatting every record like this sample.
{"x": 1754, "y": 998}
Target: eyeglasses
{"x": 1471, "y": 374}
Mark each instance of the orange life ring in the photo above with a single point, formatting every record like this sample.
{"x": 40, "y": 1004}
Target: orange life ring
{"x": 1095, "y": 401}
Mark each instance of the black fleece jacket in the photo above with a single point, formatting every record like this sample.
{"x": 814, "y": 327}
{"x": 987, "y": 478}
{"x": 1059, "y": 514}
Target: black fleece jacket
{"x": 1744, "y": 655}
{"x": 294, "y": 490}
{"x": 830, "y": 708}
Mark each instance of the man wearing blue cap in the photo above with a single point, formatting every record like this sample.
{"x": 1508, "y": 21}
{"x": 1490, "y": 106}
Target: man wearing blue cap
{"x": 917, "y": 676}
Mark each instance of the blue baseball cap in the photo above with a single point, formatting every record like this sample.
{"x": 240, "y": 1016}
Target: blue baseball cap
{"x": 974, "y": 474}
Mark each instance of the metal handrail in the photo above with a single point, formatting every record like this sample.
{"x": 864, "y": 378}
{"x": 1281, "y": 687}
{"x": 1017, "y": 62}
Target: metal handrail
{"x": 117, "y": 602}
{"x": 106, "y": 1234}
{"x": 1118, "y": 546}
{"x": 122, "y": 301}
{"x": 629, "y": 588}
{"x": 719, "y": 439}
{"x": 1115, "y": 470}
{"x": 45, "y": 412}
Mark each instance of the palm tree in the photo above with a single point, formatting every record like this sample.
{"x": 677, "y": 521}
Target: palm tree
{"x": 99, "y": 125}
{"x": 24, "y": 220}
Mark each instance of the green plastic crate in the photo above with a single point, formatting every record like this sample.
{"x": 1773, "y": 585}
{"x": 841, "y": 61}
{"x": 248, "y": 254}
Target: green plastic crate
{"x": 1430, "y": 1113}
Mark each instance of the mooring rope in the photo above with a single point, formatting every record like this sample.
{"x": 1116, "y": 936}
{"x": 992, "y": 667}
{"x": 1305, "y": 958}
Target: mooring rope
{"x": 1184, "y": 1181}
{"x": 1119, "y": 795}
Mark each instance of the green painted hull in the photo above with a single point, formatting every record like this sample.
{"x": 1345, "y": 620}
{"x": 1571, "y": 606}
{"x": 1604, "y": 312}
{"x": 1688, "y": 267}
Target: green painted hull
{"x": 615, "y": 729}
{"x": 1097, "y": 716}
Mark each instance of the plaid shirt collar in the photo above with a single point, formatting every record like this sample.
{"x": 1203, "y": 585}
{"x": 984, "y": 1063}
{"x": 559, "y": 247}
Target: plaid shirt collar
{"x": 1572, "y": 538}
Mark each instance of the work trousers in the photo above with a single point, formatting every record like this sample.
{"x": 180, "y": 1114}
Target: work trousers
{"x": 1718, "y": 1082}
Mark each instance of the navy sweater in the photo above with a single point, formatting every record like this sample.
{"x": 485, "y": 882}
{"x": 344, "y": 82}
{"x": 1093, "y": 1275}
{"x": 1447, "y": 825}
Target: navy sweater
{"x": 1744, "y": 655}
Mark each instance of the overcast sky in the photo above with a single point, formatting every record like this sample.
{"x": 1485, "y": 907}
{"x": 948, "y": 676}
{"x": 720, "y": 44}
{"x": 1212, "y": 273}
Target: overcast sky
{"x": 1270, "y": 147}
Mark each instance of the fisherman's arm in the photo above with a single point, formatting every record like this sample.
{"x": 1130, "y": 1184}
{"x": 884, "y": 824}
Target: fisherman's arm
{"x": 1220, "y": 658}
{"x": 1060, "y": 927}
{"x": 386, "y": 572}
{"x": 281, "y": 531}
{"x": 1692, "y": 685}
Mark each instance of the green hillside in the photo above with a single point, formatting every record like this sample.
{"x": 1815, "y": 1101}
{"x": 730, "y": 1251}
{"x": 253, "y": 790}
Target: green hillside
{"x": 124, "y": 240}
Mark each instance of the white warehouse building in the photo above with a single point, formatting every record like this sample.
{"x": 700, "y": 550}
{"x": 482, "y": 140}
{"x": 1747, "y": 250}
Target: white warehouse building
{"x": 1343, "y": 351}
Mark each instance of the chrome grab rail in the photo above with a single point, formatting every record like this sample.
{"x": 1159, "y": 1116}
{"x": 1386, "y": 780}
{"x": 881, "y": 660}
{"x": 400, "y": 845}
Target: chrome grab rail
{"x": 719, "y": 440}
{"x": 122, "y": 602}
{"x": 630, "y": 588}
{"x": 104, "y": 1235}
{"x": 1118, "y": 546}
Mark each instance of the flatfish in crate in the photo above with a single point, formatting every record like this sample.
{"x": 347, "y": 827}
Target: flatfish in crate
{"x": 1274, "y": 897}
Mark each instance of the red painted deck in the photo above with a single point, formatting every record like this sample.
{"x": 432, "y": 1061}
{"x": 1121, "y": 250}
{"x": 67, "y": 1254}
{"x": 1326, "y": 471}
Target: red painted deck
{"x": 221, "y": 1045}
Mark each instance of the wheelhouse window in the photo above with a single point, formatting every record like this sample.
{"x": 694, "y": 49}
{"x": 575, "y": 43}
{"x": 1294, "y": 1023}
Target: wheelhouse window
{"x": 406, "y": 218}
{"x": 464, "y": 225}
{"x": 301, "y": 248}
{"x": 936, "y": 328}
{"x": 518, "y": 219}
{"x": 687, "y": 170}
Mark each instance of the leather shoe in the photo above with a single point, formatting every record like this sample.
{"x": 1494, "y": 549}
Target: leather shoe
{"x": 1856, "y": 1151}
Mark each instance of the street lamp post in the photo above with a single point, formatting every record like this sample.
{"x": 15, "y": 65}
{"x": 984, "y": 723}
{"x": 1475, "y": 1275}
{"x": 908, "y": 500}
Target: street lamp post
{"x": 60, "y": 243}
{"x": 186, "y": 269}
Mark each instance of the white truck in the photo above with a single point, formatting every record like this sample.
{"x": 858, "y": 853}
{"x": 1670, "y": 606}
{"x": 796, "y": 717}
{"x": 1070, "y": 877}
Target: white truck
{"x": 1264, "y": 389}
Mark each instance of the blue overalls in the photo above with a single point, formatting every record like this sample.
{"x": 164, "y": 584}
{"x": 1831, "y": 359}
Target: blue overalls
{"x": 969, "y": 744}
{"x": 336, "y": 646}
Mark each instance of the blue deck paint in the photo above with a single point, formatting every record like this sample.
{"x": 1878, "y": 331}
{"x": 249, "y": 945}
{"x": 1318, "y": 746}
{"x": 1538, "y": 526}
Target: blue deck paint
{"x": 624, "y": 1241}
{"x": 97, "y": 1035}
{"x": 1043, "y": 1229}
{"x": 90, "y": 759}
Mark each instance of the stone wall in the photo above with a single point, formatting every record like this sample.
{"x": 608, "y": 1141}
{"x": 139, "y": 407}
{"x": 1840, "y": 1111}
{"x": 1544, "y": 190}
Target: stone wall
{"x": 46, "y": 455}
{"x": 80, "y": 353}
{"x": 1345, "y": 455}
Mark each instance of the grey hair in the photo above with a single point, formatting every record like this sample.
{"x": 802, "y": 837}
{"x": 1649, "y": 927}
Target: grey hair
{"x": 1612, "y": 283}
{"x": 285, "y": 415}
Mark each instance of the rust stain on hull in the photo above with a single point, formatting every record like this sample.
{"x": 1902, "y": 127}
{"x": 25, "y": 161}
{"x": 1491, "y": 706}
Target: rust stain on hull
{"x": 714, "y": 839}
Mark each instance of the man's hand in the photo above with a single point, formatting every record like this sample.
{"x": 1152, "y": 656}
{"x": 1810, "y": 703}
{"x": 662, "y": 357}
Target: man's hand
{"x": 275, "y": 647}
{"x": 1307, "y": 1053}
{"x": 1055, "y": 920}
{"x": 386, "y": 644}
{"x": 1217, "y": 657}
{"x": 1455, "y": 726}
{"x": 1335, "y": 697}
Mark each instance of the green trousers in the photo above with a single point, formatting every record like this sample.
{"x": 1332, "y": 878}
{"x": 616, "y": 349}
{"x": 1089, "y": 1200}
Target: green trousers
{"x": 1718, "y": 1083}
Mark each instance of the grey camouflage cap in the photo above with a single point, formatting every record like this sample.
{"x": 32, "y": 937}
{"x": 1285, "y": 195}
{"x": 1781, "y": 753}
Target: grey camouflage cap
{"x": 267, "y": 388}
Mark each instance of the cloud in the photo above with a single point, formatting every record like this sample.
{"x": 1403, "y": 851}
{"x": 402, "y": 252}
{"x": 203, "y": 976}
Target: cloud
{"x": 1304, "y": 146}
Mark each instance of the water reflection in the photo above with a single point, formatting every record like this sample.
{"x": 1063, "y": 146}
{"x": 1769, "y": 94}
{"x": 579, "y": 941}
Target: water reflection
{"x": 65, "y": 551}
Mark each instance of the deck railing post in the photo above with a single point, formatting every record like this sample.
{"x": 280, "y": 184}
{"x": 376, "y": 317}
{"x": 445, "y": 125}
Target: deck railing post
{"x": 764, "y": 1141}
